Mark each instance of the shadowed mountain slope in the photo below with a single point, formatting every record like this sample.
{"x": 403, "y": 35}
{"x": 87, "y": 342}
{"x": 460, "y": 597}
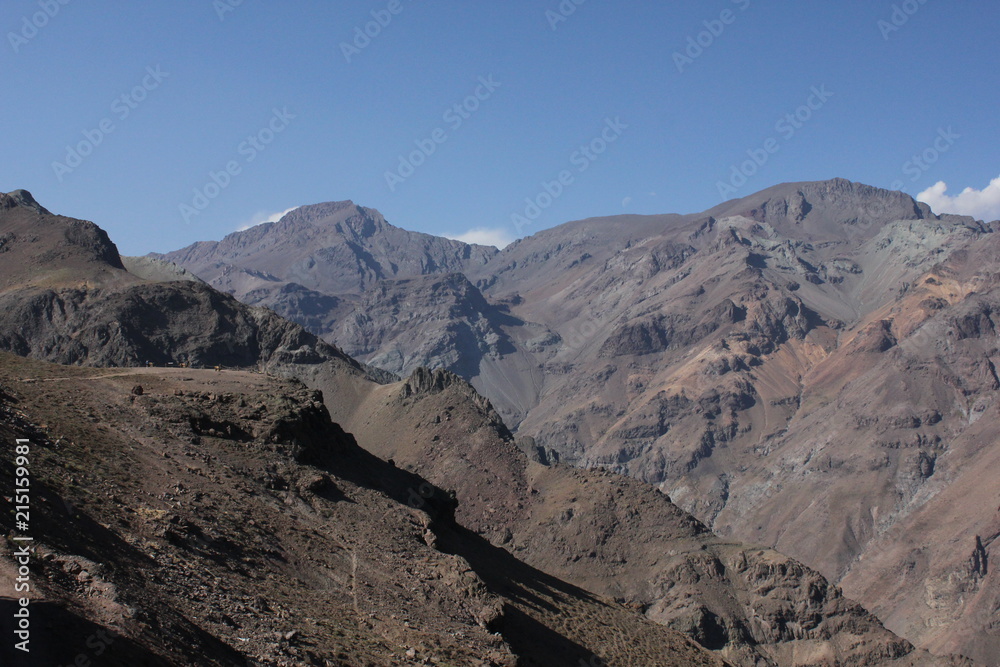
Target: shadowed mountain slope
{"x": 221, "y": 519}
{"x": 619, "y": 537}
{"x": 804, "y": 367}
{"x": 241, "y": 466}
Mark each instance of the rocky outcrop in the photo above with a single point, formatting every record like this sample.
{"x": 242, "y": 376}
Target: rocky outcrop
{"x": 44, "y": 249}
{"x": 222, "y": 518}
{"x": 152, "y": 323}
{"x": 22, "y": 199}
{"x": 807, "y": 368}
{"x": 157, "y": 270}
{"x": 622, "y": 538}
{"x": 439, "y": 321}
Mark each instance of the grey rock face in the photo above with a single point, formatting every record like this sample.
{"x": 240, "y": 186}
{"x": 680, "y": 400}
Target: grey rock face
{"x": 764, "y": 365}
{"x": 157, "y": 270}
{"x": 758, "y": 361}
{"x": 23, "y": 199}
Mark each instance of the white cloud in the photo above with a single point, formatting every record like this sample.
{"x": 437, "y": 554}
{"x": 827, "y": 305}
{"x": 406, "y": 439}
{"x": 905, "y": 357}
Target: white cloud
{"x": 261, "y": 217}
{"x": 626, "y": 202}
{"x": 498, "y": 237}
{"x": 980, "y": 204}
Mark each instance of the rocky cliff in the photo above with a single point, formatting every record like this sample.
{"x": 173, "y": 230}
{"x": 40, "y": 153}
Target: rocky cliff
{"x": 539, "y": 541}
{"x": 804, "y": 368}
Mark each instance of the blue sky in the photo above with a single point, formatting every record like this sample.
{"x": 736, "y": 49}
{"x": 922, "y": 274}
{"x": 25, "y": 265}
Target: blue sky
{"x": 121, "y": 112}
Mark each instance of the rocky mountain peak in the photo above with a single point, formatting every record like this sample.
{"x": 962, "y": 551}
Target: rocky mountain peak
{"x": 757, "y": 365}
{"x": 21, "y": 198}
{"x": 825, "y": 207}
{"x": 40, "y": 246}
{"x": 323, "y": 210}
{"x": 427, "y": 381}
{"x": 341, "y": 217}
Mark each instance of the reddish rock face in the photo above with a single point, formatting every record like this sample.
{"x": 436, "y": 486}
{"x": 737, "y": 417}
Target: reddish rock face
{"x": 807, "y": 368}
{"x": 763, "y": 361}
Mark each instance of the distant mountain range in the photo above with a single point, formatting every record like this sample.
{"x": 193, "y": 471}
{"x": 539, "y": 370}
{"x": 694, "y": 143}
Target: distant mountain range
{"x": 804, "y": 367}
{"x": 808, "y": 368}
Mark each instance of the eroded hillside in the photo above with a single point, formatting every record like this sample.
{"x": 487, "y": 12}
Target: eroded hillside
{"x": 694, "y": 359}
{"x": 221, "y": 517}
{"x": 799, "y": 368}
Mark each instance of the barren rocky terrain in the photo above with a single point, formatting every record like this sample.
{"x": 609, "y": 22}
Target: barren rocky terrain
{"x": 409, "y": 503}
{"x": 619, "y": 537}
{"x": 805, "y": 368}
{"x": 222, "y": 518}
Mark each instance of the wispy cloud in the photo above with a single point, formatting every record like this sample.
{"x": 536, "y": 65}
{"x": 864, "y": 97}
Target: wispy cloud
{"x": 980, "y": 204}
{"x": 498, "y": 237}
{"x": 261, "y": 217}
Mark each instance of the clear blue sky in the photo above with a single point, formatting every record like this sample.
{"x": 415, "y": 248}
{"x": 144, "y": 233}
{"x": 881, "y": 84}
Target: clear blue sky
{"x": 891, "y": 94}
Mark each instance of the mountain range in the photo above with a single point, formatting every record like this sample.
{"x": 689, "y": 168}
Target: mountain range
{"x": 802, "y": 368}
{"x": 620, "y": 423}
